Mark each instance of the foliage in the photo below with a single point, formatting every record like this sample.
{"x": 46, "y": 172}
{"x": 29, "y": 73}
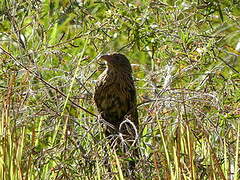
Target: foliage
{"x": 187, "y": 74}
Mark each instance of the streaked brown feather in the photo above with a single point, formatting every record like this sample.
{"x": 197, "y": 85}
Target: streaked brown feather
{"x": 115, "y": 93}
{"x": 115, "y": 98}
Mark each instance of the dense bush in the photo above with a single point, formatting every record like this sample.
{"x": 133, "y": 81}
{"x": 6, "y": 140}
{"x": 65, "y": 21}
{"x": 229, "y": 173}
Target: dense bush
{"x": 187, "y": 73}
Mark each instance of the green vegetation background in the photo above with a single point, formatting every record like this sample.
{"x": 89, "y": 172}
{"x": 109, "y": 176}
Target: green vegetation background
{"x": 186, "y": 67}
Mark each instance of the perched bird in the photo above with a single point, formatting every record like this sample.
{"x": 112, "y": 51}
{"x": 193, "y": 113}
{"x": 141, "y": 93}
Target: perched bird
{"x": 115, "y": 94}
{"x": 115, "y": 98}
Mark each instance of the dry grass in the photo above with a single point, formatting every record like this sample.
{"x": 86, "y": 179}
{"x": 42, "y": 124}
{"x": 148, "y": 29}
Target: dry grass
{"x": 187, "y": 78}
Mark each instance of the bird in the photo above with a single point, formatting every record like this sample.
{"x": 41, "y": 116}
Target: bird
{"x": 115, "y": 98}
{"x": 115, "y": 94}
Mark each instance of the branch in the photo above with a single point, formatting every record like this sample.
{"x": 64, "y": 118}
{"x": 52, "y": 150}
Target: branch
{"x": 45, "y": 82}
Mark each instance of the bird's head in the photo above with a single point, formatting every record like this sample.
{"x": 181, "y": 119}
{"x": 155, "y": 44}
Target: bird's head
{"x": 117, "y": 61}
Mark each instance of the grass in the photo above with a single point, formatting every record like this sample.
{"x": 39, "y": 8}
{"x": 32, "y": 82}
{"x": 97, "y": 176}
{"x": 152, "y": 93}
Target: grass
{"x": 186, "y": 68}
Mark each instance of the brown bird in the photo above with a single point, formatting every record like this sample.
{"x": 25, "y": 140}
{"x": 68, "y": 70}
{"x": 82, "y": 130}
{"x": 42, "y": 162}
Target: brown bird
{"x": 115, "y": 94}
{"x": 115, "y": 97}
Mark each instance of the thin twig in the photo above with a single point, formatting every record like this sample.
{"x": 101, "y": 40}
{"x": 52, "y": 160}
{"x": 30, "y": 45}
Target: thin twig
{"x": 231, "y": 67}
{"x": 45, "y": 82}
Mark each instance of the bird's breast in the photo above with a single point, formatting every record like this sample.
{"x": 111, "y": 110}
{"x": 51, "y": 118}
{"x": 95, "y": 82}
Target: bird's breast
{"x": 113, "y": 95}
